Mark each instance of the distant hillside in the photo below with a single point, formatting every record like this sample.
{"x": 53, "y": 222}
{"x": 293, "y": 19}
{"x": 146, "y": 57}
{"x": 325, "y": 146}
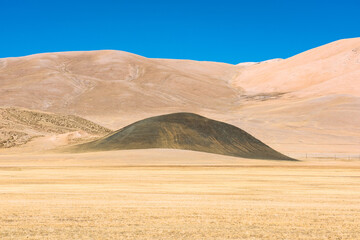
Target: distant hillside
{"x": 184, "y": 131}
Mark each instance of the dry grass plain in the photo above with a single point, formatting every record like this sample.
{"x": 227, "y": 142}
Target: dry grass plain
{"x": 174, "y": 194}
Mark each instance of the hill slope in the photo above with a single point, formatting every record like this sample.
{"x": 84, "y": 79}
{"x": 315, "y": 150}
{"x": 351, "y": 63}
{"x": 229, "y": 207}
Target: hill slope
{"x": 309, "y": 102}
{"x": 107, "y": 84}
{"x": 185, "y": 131}
{"x": 330, "y": 69}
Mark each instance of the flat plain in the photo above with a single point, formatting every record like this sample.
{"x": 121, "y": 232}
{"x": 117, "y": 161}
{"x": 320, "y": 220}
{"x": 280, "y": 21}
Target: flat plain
{"x": 175, "y": 194}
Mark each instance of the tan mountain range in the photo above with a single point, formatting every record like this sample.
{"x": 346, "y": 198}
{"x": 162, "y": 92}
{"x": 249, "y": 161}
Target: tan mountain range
{"x": 309, "y": 103}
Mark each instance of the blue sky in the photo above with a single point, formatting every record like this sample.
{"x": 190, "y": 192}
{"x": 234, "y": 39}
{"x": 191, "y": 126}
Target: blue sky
{"x": 224, "y": 31}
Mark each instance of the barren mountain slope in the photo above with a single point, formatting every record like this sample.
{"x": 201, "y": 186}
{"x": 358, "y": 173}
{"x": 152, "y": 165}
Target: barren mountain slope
{"x": 330, "y": 69}
{"x": 309, "y": 102}
{"x": 108, "y": 84}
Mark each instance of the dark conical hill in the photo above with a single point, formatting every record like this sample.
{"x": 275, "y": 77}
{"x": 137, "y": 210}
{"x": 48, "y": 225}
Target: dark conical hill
{"x": 186, "y": 131}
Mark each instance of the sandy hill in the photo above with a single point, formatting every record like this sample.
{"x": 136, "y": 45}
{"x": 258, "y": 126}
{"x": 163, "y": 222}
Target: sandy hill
{"x": 19, "y": 126}
{"x": 309, "y": 102}
{"x": 185, "y": 131}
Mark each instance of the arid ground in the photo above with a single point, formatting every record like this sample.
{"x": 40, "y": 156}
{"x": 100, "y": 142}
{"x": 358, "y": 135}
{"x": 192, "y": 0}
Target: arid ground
{"x": 175, "y": 194}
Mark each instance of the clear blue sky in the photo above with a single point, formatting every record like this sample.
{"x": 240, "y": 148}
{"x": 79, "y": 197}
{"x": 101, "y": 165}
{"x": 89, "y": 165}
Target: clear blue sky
{"x": 225, "y": 31}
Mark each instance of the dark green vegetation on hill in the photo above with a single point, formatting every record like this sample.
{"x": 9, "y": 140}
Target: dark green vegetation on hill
{"x": 186, "y": 131}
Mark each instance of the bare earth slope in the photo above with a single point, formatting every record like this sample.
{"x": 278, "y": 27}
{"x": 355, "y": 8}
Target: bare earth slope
{"x": 315, "y": 105}
{"x": 108, "y": 84}
{"x": 306, "y": 103}
{"x": 329, "y": 69}
{"x": 185, "y": 131}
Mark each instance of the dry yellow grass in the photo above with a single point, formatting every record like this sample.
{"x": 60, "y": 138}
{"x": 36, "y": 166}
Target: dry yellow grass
{"x": 176, "y": 195}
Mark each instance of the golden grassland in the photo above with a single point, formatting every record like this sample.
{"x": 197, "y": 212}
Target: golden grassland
{"x": 173, "y": 194}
